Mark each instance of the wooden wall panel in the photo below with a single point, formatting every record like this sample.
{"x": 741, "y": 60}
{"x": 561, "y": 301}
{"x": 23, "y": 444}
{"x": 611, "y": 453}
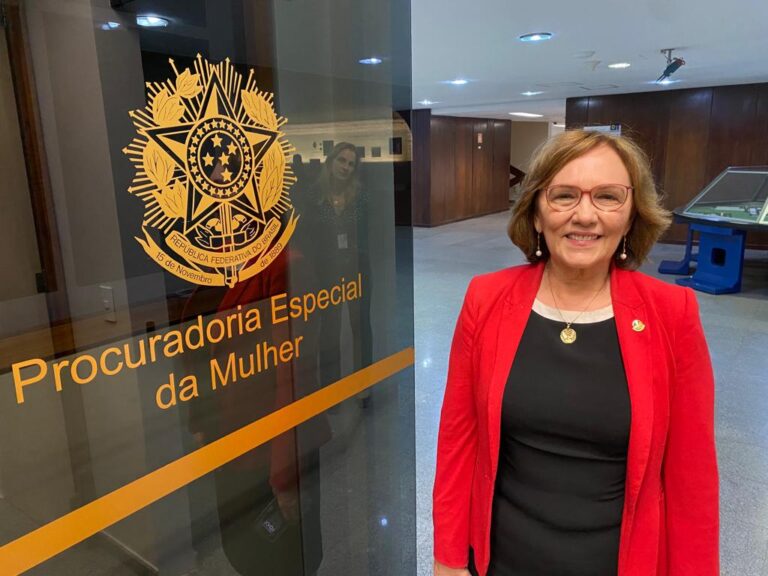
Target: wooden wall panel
{"x": 462, "y": 206}
{"x": 760, "y": 150}
{"x": 686, "y": 167}
{"x": 462, "y": 180}
{"x": 421, "y": 174}
{"x": 502, "y": 136}
{"x": 482, "y": 167}
{"x": 443, "y": 160}
{"x": 647, "y": 121}
{"x": 576, "y": 110}
{"x": 603, "y": 110}
{"x": 732, "y": 128}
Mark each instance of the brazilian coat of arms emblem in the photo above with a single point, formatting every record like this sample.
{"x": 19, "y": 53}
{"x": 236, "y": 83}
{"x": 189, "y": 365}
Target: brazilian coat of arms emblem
{"x": 212, "y": 170}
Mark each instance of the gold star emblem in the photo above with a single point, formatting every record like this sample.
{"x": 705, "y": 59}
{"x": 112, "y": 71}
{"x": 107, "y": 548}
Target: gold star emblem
{"x": 186, "y": 184}
{"x": 211, "y": 109}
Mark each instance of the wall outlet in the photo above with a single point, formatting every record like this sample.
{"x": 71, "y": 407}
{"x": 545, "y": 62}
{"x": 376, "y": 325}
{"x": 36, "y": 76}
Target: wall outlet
{"x": 108, "y": 303}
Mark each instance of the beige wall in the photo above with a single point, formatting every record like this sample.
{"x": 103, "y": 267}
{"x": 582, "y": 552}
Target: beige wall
{"x": 526, "y": 136}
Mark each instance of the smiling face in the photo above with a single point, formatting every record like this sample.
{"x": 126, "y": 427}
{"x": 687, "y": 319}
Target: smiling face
{"x": 585, "y": 238}
{"x": 344, "y": 165}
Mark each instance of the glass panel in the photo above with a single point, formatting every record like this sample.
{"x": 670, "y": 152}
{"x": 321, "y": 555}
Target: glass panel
{"x": 738, "y": 194}
{"x": 219, "y": 377}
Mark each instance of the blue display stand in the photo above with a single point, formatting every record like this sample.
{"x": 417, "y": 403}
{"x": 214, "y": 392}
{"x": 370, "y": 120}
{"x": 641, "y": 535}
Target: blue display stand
{"x": 684, "y": 266}
{"x": 720, "y": 260}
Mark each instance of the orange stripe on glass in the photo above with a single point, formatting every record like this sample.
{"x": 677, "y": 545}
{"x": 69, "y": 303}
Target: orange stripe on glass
{"x": 55, "y": 537}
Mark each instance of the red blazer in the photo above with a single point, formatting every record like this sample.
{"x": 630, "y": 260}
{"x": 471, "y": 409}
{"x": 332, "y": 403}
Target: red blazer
{"x": 670, "y": 520}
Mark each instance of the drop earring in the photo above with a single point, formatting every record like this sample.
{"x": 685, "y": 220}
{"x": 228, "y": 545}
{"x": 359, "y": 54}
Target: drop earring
{"x": 538, "y": 245}
{"x": 623, "y": 255}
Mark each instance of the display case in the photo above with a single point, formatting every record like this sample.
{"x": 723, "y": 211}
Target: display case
{"x": 735, "y": 202}
{"x": 738, "y": 195}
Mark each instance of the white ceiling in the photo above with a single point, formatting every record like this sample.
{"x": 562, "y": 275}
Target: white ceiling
{"x": 722, "y": 42}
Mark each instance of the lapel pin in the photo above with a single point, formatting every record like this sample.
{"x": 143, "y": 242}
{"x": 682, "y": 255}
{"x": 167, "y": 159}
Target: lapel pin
{"x": 638, "y": 326}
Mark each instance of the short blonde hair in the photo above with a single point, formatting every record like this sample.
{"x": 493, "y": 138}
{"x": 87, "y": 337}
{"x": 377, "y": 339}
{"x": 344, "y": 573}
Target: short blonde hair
{"x": 649, "y": 218}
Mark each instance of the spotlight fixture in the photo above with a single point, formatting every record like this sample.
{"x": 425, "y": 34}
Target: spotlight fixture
{"x": 149, "y": 21}
{"x": 458, "y": 82}
{"x": 535, "y": 37}
{"x": 110, "y": 26}
{"x": 673, "y": 65}
{"x": 619, "y": 65}
{"x": 531, "y": 93}
{"x": 372, "y": 61}
{"x": 526, "y": 115}
{"x": 426, "y": 102}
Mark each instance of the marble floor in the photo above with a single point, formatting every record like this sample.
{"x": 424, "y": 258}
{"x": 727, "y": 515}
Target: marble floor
{"x": 446, "y": 257}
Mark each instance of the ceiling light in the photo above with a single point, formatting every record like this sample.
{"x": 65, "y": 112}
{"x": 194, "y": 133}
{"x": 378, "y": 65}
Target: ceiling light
{"x": 148, "y": 21}
{"x": 526, "y": 115}
{"x": 110, "y": 25}
{"x": 535, "y": 37}
{"x": 532, "y": 93}
{"x": 426, "y": 102}
{"x": 372, "y": 61}
{"x": 619, "y": 65}
{"x": 558, "y": 125}
{"x": 458, "y": 82}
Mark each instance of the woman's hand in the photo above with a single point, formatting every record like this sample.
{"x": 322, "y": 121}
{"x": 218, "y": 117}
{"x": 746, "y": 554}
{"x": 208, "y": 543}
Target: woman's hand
{"x": 442, "y": 570}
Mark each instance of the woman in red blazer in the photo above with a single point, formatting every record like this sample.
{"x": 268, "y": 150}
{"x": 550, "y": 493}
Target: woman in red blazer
{"x": 626, "y": 482}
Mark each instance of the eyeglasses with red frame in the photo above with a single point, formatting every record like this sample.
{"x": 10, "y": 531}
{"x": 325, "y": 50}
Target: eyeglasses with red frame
{"x": 605, "y": 197}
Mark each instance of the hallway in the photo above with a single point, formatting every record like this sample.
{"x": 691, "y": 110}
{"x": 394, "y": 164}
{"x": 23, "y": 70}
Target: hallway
{"x": 446, "y": 257}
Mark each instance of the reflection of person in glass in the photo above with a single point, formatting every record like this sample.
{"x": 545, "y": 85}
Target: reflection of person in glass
{"x": 577, "y": 429}
{"x": 269, "y": 498}
{"x": 340, "y": 246}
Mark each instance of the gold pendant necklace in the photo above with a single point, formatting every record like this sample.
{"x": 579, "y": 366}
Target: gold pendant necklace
{"x": 568, "y": 334}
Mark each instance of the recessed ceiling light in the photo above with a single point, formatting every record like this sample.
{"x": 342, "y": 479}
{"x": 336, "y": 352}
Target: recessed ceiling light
{"x": 148, "y": 21}
{"x": 526, "y": 115}
{"x": 535, "y": 37}
{"x": 558, "y": 125}
{"x": 110, "y": 25}
{"x": 619, "y": 65}
{"x": 532, "y": 93}
{"x": 665, "y": 82}
{"x": 426, "y": 102}
{"x": 372, "y": 61}
{"x": 458, "y": 82}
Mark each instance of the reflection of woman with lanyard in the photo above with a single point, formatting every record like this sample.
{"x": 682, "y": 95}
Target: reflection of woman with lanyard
{"x": 341, "y": 245}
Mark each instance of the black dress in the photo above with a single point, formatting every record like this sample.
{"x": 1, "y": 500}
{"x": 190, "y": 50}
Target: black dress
{"x": 565, "y": 421}
{"x": 340, "y": 249}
